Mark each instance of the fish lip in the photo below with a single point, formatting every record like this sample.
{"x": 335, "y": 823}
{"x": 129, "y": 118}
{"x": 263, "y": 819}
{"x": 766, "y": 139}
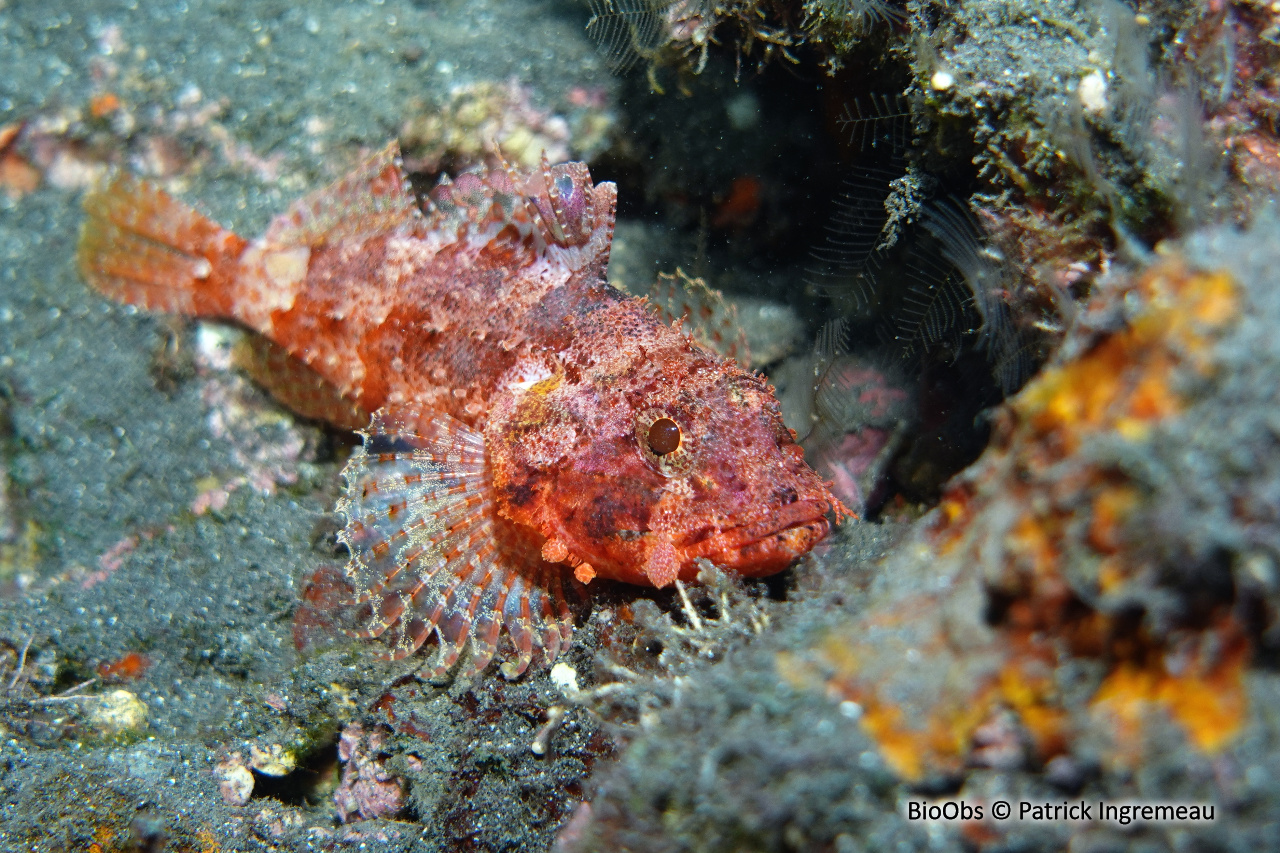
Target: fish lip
{"x": 768, "y": 542}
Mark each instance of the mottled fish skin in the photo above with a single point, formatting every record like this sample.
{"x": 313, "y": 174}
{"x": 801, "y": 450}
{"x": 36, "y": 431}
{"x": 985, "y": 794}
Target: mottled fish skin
{"x": 528, "y": 419}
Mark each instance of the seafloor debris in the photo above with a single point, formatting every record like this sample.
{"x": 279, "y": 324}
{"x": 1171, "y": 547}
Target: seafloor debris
{"x": 461, "y": 130}
{"x": 368, "y": 789}
{"x": 128, "y": 667}
{"x": 33, "y": 707}
{"x": 17, "y": 176}
{"x": 268, "y": 445}
{"x": 115, "y": 713}
{"x": 716, "y": 616}
{"x": 234, "y": 778}
{"x": 272, "y": 759}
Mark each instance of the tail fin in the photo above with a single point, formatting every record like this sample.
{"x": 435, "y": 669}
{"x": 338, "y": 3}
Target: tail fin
{"x": 141, "y": 246}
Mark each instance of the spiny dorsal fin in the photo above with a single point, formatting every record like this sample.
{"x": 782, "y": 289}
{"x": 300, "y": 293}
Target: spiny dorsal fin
{"x": 473, "y": 199}
{"x": 703, "y": 309}
{"x": 429, "y": 553}
{"x": 557, "y": 209}
{"x": 374, "y": 198}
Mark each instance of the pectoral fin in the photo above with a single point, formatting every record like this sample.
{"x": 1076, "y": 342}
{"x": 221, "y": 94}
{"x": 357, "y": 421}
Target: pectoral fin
{"x": 429, "y": 552}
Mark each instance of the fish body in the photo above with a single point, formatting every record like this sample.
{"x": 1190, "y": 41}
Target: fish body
{"x": 522, "y": 419}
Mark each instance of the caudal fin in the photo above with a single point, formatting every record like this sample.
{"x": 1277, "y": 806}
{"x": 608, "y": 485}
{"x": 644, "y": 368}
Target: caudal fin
{"x": 142, "y": 246}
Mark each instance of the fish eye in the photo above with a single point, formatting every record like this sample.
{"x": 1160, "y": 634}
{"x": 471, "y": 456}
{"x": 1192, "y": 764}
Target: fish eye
{"x": 564, "y": 186}
{"x": 663, "y": 437}
{"x": 664, "y": 443}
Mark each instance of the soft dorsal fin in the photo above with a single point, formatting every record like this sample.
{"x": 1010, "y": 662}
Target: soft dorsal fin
{"x": 712, "y": 321}
{"x": 374, "y": 198}
{"x": 429, "y": 552}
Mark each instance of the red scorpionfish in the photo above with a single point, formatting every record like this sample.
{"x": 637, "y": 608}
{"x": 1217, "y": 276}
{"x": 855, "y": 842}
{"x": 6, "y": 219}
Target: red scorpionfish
{"x": 519, "y": 415}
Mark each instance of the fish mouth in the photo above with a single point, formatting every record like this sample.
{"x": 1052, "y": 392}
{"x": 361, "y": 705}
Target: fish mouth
{"x": 766, "y": 544}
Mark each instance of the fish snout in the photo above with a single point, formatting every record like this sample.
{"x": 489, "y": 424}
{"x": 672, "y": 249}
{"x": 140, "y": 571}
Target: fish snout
{"x": 770, "y": 542}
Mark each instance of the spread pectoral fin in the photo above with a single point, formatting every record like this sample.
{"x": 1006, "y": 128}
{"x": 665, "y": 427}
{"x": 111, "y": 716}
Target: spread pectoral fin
{"x": 430, "y": 553}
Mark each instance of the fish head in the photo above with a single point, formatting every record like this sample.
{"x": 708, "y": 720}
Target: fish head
{"x": 656, "y": 456}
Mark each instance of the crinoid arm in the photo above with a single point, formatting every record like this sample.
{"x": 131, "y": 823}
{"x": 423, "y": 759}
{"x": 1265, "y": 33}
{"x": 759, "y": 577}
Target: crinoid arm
{"x": 429, "y": 553}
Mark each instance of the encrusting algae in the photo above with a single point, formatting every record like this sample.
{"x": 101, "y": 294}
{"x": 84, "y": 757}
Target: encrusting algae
{"x": 527, "y": 419}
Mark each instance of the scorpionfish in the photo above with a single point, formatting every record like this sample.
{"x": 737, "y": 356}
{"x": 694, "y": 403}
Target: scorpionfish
{"x": 521, "y": 418}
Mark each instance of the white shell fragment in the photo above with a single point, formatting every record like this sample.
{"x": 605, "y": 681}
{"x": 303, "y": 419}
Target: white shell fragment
{"x": 1092, "y": 92}
{"x": 117, "y": 712}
